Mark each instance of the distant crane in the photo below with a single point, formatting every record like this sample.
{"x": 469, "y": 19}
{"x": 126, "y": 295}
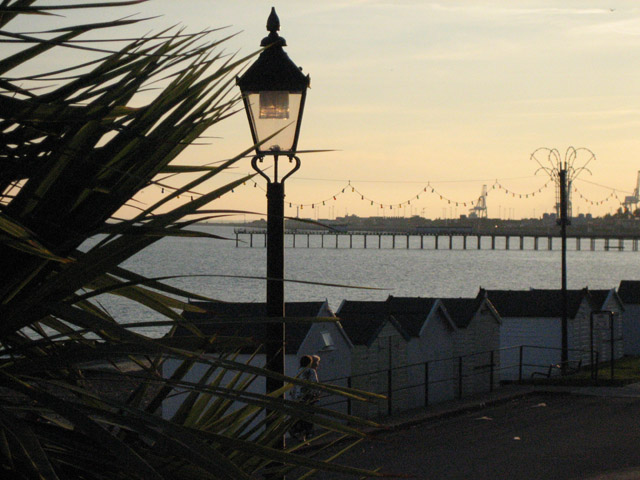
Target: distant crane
{"x": 631, "y": 201}
{"x": 480, "y": 208}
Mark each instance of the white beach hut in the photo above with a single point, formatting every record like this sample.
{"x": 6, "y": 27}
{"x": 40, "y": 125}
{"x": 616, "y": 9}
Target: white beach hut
{"x": 225, "y": 321}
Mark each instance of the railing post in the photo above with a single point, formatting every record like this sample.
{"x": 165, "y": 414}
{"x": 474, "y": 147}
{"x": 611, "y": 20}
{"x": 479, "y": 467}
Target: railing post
{"x": 349, "y": 398}
{"x": 491, "y": 373}
{"x": 426, "y": 383}
{"x": 520, "y": 364}
{"x": 389, "y": 392}
{"x": 613, "y": 350}
{"x": 459, "y": 377}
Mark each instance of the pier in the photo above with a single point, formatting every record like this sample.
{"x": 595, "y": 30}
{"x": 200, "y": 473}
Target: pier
{"x": 453, "y": 239}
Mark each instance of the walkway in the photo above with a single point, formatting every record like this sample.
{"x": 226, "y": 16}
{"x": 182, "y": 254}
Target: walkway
{"x": 517, "y": 432}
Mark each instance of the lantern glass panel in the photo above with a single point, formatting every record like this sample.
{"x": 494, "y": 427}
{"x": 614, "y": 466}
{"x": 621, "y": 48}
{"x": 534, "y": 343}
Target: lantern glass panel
{"x": 271, "y": 111}
{"x": 274, "y": 105}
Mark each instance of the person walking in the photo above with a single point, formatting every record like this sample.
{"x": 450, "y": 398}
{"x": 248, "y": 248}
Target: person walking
{"x": 308, "y": 371}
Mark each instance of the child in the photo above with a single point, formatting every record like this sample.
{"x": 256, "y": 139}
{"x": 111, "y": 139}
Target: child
{"x": 302, "y": 429}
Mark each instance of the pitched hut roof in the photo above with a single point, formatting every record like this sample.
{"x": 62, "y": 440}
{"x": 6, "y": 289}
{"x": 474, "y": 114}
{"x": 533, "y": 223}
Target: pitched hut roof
{"x": 536, "y": 303}
{"x": 226, "y": 320}
{"x": 410, "y": 312}
{"x": 362, "y": 321}
{"x": 462, "y": 310}
{"x": 629, "y": 291}
{"x": 600, "y": 297}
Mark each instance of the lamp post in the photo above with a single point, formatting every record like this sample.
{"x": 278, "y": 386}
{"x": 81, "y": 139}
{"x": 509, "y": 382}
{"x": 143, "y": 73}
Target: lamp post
{"x": 563, "y": 173}
{"x": 273, "y": 91}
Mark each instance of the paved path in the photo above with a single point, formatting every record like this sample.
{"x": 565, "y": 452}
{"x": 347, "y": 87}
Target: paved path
{"x": 514, "y": 433}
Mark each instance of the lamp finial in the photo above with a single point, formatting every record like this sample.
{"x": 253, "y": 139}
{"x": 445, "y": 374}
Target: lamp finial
{"x": 273, "y": 22}
{"x": 273, "y": 25}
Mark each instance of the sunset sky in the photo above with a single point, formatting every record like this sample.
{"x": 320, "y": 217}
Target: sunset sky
{"x": 446, "y": 96}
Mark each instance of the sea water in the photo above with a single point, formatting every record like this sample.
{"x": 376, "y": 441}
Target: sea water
{"x": 221, "y": 270}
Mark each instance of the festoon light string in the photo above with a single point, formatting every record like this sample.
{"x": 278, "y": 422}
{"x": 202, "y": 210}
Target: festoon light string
{"x": 429, "y": 189}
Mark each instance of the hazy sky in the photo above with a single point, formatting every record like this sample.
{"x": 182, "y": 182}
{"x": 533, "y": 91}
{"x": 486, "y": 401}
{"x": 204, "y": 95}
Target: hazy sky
{"x": 445, "y": 95}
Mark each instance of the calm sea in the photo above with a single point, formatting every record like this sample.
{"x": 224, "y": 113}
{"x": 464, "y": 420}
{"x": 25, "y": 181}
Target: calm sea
{"x": 208, "y": 264}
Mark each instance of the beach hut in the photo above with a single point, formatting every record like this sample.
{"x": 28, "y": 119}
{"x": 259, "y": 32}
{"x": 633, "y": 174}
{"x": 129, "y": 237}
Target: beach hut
{"x": 608, "y": 325}
{"x": 531, "y": 330}
{"x": 229, "y": 321}
{"x": 629, "y": 293}
{"x": 478, "y": 342}
{"x": 379, "y": 351}
{"x": 432, "y": 363}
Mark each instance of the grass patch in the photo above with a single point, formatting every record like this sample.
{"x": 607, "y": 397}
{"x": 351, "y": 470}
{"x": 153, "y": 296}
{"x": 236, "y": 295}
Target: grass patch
{"x": 626, "y": 370}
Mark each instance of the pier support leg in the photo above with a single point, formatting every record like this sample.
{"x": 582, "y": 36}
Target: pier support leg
{"x": 336, "y": 240}
{"x": 606, "y": 244}
{"x": 549, "y": 243}
{"x": 521, "y": 243}
{"x": 479, "y": 244}
{"x": 578, "y": 243}
{"x": 237, "y": 239}
{"x": 437, "y": 237}
{"x": 464, "y": 242}
{"x": 421, "y": 242}
{"x": 493, "y": 242}
{"x": 379, "y": 241}
{"x": 407, "y": 242}
{"x": 620, "y": 244}
{"x": 322, "y": 241}
{"x": 307, "y": 240}
{"x": 251, "y": 240}
{"x": 450, "y": 242}
{"x": 365, "y": 240}
{"x": 593, "y": 244}
{"x": 350, "y": 241}
{"x": 393, "y": 241}
{"x": 294, "y": 239}
{"x": 535, "y": 243}
{"x": 507, "y": 239}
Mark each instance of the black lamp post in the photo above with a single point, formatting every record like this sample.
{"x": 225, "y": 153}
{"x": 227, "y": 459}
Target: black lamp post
{"x": 563, "y": 173}
{"x": 274, "y": 90}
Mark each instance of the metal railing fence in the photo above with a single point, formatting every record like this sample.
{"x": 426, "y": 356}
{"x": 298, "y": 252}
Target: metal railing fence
{"x": 423, "y": 383}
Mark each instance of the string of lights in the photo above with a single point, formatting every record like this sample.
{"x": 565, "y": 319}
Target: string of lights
{"x": 429, "y": 189}
{"x": 608, "y": 198}
{"x": 350, "y": 188}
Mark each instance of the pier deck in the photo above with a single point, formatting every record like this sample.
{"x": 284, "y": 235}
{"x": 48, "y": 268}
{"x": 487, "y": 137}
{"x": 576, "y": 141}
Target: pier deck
{"x": 454, "y": 239}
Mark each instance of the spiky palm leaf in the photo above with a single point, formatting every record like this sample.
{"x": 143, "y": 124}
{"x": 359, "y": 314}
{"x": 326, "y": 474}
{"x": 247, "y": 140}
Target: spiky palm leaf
{"x": 73, "y": 152}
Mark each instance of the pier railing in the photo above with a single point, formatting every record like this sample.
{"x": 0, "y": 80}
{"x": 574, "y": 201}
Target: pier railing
{"x": 452, "y": 239}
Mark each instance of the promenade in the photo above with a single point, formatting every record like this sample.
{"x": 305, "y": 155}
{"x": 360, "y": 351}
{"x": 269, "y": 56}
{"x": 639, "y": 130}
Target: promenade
{"x": 517, "y": 432}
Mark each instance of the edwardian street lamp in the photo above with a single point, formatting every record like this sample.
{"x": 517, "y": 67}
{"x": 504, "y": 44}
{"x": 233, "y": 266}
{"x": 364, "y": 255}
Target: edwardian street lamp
{"x": 274, "y": 90}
